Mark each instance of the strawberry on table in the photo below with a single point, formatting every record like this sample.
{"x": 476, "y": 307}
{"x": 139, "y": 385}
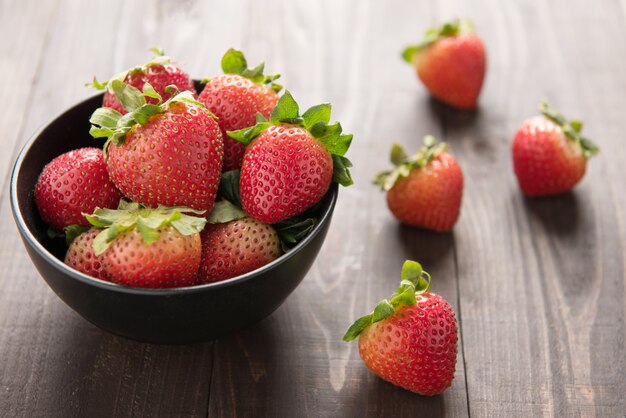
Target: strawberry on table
{"x": 451, "y": 62}
{"x": 233, "y": 244}
{"x": 168, "y": 153}
{"x": 411, "y": 339}
{"x": 424, "y": 190}
{"x": 145, "y": 247}
{"x": 550, "y": 154}
{"x": 291, "y": 160}
{"x": 73, "y": 183}
{"x": 235, "y": 97}
{"x": 159, "y": 73}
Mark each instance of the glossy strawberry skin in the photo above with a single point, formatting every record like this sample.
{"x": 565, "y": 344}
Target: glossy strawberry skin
{"x": 175, "y": 159}
{"x": 159, "y": 76}
{"x": 170, "y": 261}
{"x": 236, "y": 100}
{"x": 545, "y": 161}
{"x": 430, "y": 197}
{"x": 416, "y": 348}
{"x": 80, "y": 255}
{"x": 285, "y": 171}
{"x": 72, "y": 184}
{"x": 234, "y": 248}
{"x": 453, "y": 69}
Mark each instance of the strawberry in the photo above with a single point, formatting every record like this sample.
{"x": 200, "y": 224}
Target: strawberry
{"x": 236, "y": 97}
{"x": 233, "y": 244}
{"x": 80, "y": 255}
{"x": 146, "y": 247}
{"x": 410, "y": 340}
{"x": 290, "y": 161}
{"x": 550, "y": 154}
{"x": 451, "y": 62}
{"x": 73, "y": 183}
{"x": 424, "y": 190}
{"x": 167, "y": 154}
{"x": 159, "y": 73}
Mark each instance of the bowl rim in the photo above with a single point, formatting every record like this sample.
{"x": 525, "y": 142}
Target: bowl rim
{"x": 92, "y": 281}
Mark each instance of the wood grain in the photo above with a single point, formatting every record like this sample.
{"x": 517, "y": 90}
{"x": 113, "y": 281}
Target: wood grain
{"x": 538, "y": 285}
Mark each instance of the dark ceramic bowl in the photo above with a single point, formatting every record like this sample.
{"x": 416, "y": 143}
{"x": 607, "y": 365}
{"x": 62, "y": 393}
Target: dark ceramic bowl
{"x": 167, "y": 316}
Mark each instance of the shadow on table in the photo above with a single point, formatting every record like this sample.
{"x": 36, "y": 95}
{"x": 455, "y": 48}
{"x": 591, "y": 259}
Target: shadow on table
{"x": 558, "y": 215}
{"x": 428, "y": 247}
{"x": 450, "y": 117}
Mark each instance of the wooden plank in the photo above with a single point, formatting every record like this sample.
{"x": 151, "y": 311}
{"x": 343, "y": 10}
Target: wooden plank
{"x": 294, "y": 363}
{"x": 542, "y": 280}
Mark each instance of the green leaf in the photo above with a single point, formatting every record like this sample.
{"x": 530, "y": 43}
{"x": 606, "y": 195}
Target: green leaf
{"x": 577, "y": 125}
{"x": 398, "y": 155}
{"x": 357, "y": 327}
{"x": 158, "y": 51}
{"x": 189, "y": 225}
{"x": 148, "y": 235}
{"x": 411, "y": 270}
{"x": 149, "y": 91}
{"x": 255, "y": 74}
{"x": 334, "y": 141}
{"x": 405, "y": 295}
{"x": 453, "y": 28}
{"x": 73, "y": 231}
{"x": 246, "y": 135}
{"x": 225, "y": 212}
{"x": 96, "y": 132}
{"x": 409, "y": 52}
{"x": 316, "y": 115}
{"x": 341, "y": 174}
{"x": 145, "y": 112}
{"x": 287, "y": 108}
{"x": 130, "y": 98}
{"x": 383, "y": 310}
{"x": 105, "y": 117}
{"x": 229, "y": 187}
{"x": 293, "y": 230}
{"x": 234, "y": 62}
{"x": 104, "y": 239}
{"x": 54, "y": 233}
{"x": 98, "y": 85}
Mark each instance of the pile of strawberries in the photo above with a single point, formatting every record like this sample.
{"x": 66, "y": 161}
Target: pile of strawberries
{"x": 143, "y": 211}
{"x": 191, "y": 189}
{"x": 411, "y": 339}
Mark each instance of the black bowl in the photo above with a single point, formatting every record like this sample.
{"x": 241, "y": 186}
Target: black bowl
{"x": 166, "y": 316}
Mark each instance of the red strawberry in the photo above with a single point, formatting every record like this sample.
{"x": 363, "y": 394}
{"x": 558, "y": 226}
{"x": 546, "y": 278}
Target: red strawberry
{"x": 291, "y": 161}
{"x": 170, "y": 154}
{"x": 235, "y": 98}
{"x": 550, "y": 154}
{"x": 80, "y": 255}
{"x": 145, "y": 247}
{"x": 411, "y": 340}
{"x": 159, "y": 73}
{"x": 73, "y": 183}
{"x": 451, "y": 62}
{"x": 236, "y": 246}
{"x": 424, "y": 190}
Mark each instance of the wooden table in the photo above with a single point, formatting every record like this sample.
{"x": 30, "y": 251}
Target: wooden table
{"x": 538, "y": 285}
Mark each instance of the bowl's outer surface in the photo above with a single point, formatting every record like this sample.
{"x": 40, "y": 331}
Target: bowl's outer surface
{"x": 170, "y": 316}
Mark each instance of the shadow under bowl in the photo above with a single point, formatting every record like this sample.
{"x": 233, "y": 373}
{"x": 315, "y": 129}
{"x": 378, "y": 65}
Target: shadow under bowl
{"x": 164, "y": 316}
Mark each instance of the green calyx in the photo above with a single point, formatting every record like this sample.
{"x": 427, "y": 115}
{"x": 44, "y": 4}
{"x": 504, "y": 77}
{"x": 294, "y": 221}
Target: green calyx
{"x": 453, "y": 28}
{"x": 111, "y": 124}
{"x": 571, "y": 128}
{"x": 405, "y": 164}
{"x": 415, "y": 281}
{"x": 315, "y": 120}
{"x": 114, "y": 222}
{"x": 234, "y": 62}
{"x": 224, "y": 212}
{"x": 159, "y": 59}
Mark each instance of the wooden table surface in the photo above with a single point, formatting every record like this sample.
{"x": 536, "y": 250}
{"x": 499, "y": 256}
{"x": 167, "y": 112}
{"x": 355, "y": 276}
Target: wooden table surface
{"x": 538, "y": 285}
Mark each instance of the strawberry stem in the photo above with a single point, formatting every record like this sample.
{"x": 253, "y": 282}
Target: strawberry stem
{"x": 453, "y": 28}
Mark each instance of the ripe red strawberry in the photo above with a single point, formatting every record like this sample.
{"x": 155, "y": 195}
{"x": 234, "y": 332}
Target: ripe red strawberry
{"x": 168, "y": 154}
{"x": 159, "y": 73}
{"x": 80, "y": 255}
{"x": 145, "y": 247}
{"x": 550, "y": 154}
{"x": 235, "y": 246}
{"x": 424, "y": 190}
{"x": 236, "y": 97}
{"x": 451, "y": 62}
{"x": 291, "y": 161}
{"x": 73, "y": 183}
{"x": 410, "y": 340}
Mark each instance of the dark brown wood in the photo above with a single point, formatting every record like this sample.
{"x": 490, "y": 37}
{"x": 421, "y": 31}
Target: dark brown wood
{"x": 538, "y": 285}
